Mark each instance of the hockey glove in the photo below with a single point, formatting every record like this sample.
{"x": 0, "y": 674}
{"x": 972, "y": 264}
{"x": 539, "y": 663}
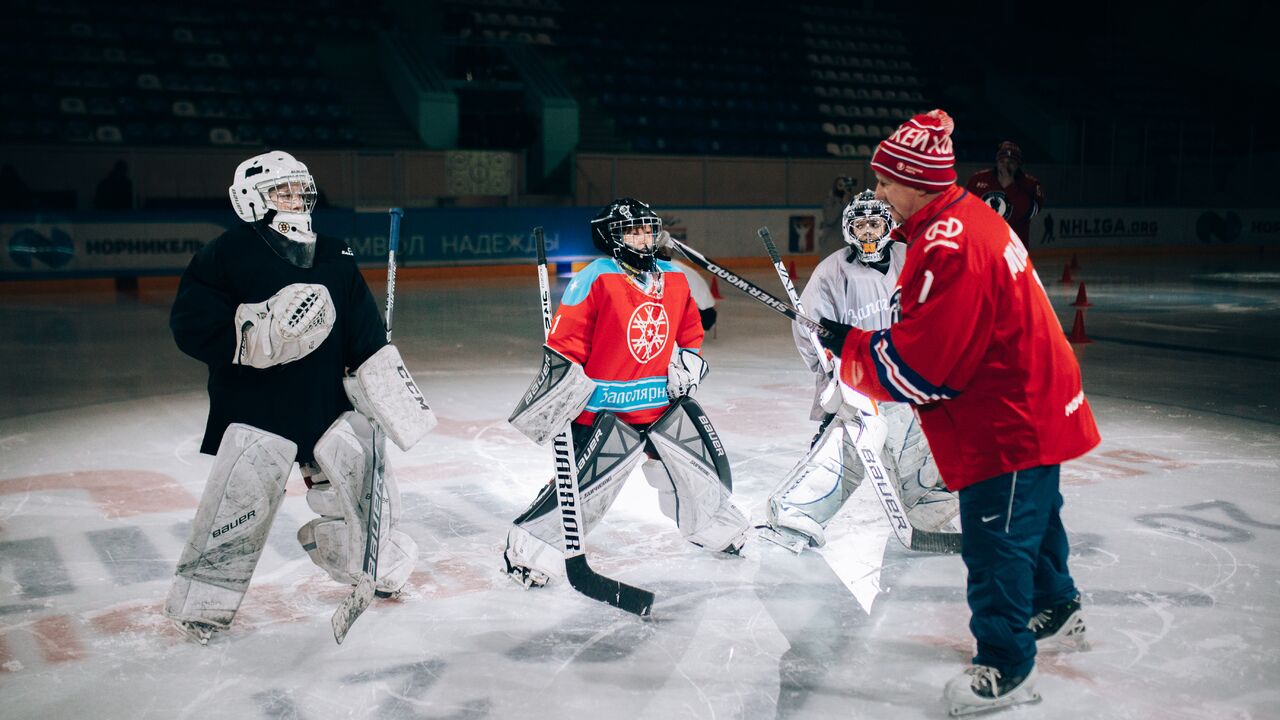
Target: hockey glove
{"x": 838, "y": 331}
{"x": 686, "y": 370}
{"x": 285, "y": 327}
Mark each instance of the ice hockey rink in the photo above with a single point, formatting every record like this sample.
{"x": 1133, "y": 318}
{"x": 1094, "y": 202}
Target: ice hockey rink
{"x": 1174, "y": 522}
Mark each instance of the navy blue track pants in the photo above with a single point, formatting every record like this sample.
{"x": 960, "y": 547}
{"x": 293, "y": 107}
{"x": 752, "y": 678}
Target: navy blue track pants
{"x": 1015, "y": 550}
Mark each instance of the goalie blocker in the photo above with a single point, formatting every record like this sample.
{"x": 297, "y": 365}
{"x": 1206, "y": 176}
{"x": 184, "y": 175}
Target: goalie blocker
{"x": 383, "y": 391}
{"x": 557, "y": 395}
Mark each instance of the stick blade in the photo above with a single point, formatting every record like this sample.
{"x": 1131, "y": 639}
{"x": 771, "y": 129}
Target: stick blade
{"x": 936, "y": 542}
{"x": 352, "y": 607}
{"x": 634, "y": 600}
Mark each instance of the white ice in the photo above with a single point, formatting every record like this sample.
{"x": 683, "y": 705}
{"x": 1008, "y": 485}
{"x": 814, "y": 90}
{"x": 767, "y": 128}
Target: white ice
{"x": 1174, "y": 521}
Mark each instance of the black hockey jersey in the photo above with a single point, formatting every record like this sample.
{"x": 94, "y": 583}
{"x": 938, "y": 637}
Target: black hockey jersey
{"x": 297, "y": 400}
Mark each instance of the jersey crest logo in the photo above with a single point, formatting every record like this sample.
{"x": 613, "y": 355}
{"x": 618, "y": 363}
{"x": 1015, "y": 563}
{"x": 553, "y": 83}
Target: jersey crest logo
{"x": 647, "y": 331}
{"x": 999, "y": 202}
{"x": 949, "y": 228}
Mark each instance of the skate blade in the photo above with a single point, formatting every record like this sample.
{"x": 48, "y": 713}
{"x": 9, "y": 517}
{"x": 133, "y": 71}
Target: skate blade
{"x": 1073, "y": 639}
{"x": 195, "y": 631}
{"x": 1002, "y": 703}
{"x": 791, "y": 541}
{"x": 1069, "y": 643}
{"x": 527, "y": 579}
{"x": 351, "y": 608}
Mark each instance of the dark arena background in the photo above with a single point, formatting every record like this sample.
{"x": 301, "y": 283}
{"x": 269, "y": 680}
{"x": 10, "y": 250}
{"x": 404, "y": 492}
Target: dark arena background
{"x": 1151, "y": 130}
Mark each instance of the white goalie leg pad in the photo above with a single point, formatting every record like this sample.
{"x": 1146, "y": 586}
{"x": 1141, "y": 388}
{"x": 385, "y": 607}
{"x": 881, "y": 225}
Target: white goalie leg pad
{"x": 285, "y": 327}
{"x": 929, "y": 505}
{"x": 818, "y": 486}
{"x": 336, "y": 540}
{"x": 605, "y": 457}
{"x": 383, "y": 391}
{"x": 694, "y": 484}
{"x": 554, "y": 399}
{"x": 230, "y": 528}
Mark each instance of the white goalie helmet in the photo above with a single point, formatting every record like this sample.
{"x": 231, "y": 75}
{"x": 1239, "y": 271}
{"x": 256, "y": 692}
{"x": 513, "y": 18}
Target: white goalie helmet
{"x": 275, "y": 186}
{"x": 272, "y": 181}
{"x": 866, "y": 223}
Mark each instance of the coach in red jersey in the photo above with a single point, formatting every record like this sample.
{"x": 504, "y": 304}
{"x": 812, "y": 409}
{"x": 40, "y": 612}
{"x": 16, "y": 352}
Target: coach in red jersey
{"x": 976, "y": 347}
{"x": 1011, "y": 192}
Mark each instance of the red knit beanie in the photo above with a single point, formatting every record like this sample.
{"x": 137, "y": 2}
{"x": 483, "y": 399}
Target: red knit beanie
{"x": 919, "y": 153}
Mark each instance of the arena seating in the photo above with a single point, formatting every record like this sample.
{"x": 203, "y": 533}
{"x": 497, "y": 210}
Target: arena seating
{"x": 154, "y": 73}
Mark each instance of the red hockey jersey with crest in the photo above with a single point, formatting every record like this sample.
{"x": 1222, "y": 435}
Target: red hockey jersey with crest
{"x": 976, "y": 346}
{"x": 624, "y": 336}
{"x": 1017, "y": 204}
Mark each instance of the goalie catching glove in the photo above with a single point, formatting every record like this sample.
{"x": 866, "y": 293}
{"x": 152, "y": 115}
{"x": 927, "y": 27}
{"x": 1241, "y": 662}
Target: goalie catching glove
{"x": 686, "y": 370}
{"x": 285, "y": 327}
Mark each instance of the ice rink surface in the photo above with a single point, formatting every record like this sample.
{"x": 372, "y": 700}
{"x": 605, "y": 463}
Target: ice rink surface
{"x": 1174, "y": 522}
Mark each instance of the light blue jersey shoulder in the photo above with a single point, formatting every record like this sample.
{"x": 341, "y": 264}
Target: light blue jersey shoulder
{"x": 582, "y": 281}
{"x": 580, "y": 286}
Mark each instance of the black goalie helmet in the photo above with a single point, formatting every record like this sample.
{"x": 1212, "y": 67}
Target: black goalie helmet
{"x": 866, "y": 225}
{"x": 628, "y": 230}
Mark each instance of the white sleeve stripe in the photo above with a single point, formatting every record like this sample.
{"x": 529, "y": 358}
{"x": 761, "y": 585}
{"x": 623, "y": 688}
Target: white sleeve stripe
{"x": 899, "y": 382}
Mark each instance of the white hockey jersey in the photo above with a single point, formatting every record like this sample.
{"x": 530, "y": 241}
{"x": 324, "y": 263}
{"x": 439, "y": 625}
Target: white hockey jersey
{"x": 848, "y": 292}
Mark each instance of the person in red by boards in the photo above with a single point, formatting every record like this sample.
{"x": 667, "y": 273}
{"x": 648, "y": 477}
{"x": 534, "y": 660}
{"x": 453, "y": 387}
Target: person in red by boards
{"x": 1012, "y": 193}
{"x": 976, "y": 347}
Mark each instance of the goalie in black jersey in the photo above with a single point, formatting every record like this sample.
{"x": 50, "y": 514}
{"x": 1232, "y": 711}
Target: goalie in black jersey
{"x": 280, "y": 315}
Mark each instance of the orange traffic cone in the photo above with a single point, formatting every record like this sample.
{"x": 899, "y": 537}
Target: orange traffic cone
{"x": 1082, "y": 300}
{"x": 791, "y": 270}
{"x": 1066, "y": 274}
{"x": 715, "y": 290}
{"x": 1075, "y": 262}
{"x": 1077, "y": 336}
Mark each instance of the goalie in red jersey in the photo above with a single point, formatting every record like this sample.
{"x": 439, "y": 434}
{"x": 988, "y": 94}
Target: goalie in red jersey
{"x": 620, "y": 366}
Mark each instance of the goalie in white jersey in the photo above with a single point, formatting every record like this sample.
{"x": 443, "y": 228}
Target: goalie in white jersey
{"x": 855, "y": 286}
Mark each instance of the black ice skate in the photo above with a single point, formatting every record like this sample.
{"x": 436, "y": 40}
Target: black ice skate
{"x": 1062, "y": 625}
{"x": 981, "y": 689}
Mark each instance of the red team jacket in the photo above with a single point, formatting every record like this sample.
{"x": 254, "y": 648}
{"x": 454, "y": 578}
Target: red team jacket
{"x": 624, "y": 337}
{"x": 976, "y": 346}
{"x": 1017, "y": 204}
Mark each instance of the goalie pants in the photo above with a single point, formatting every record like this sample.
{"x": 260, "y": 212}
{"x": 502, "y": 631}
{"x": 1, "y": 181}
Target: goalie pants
{"x": 1015, "y": 549}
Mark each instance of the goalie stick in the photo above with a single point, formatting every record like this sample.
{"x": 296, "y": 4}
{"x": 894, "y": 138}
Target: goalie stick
{"x": 358, "y": 601}
{"x": 581, "y": 576}
{"x": 886, "y": 489}
{"x": 750, "y": 288}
